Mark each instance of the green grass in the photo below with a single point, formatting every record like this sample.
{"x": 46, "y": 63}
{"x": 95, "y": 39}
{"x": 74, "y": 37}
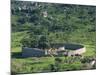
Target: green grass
{"x": 41, "y": 64}
{"x": 90, "y": 50}
{"x": 16, "y": 49}
{"x": 16, "y": 37}
{"x": 32, "y": 64}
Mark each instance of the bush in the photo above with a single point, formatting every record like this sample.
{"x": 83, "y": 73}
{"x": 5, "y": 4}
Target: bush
{"x": 58, "y": 60}
{"x": 53, "y": 68}
{"x": 86, "y": 59}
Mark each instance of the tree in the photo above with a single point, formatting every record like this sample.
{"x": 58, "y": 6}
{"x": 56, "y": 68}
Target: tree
{"x": 30, "y": 41}
{"x": 43, "y": 43}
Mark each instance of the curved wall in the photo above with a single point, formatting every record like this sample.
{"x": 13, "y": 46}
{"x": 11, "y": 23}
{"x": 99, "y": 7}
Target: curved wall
{"x": 71, "y": 48}
{"x": 75, "y": 49}
{"x": 80, "y": 51}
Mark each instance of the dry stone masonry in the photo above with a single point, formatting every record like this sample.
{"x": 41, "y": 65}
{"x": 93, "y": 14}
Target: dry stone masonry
{"x": 69, "y": 49}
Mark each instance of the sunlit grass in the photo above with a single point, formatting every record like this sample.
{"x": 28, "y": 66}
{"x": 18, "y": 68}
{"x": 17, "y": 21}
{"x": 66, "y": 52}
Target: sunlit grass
{"x": 42, "y": 64}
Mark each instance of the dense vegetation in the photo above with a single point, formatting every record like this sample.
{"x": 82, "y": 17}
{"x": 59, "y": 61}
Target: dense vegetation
{"x": 37, "y": 24}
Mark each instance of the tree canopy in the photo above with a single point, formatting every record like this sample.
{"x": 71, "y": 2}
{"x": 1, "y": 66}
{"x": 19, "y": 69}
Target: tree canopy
{"x": 58, "y": 22}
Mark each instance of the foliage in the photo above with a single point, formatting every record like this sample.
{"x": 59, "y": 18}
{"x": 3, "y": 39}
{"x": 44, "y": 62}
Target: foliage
{"x": 43, "y": 42}
{"x": 71, "y": 20}
{"x": 64, "y": 24}
{"x": 87, "y": 59}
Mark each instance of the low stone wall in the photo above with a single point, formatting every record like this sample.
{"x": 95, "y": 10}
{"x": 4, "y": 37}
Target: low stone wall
{"x": 80, "y": 51}
{"x": 77, "y": 51}
{"x": 29, "y": 52}
{"x": 72, "y": 49}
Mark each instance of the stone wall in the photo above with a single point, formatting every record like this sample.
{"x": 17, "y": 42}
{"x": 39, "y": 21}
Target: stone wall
{"x": 68, "y": 52}
{"x": 77, "y": 51}
{"x": 29, "y": 52}
{"x": 80, "y": 51}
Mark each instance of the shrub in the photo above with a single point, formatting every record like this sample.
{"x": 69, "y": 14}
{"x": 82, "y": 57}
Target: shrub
{"x": 58, "y": 60}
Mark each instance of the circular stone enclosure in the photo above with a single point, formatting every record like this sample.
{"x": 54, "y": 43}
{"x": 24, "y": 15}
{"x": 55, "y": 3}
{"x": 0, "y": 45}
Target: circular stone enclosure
{"x": 75, "y": 48}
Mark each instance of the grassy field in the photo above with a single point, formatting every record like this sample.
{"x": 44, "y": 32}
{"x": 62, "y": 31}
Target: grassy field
{"x": 41, "y": 64}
